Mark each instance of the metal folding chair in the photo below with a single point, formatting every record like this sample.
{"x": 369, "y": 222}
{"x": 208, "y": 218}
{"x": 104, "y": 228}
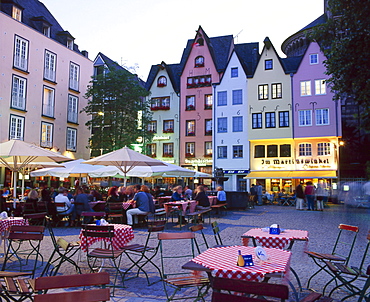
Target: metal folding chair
{"x": 199, "y": 228}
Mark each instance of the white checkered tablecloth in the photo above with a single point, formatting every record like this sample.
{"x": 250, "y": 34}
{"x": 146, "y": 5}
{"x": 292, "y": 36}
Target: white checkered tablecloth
{"x": 6, "y": 223}
{"x": 122, "y": 235}
{"x": 274, "y": 241}
{"x": 222, "y": 261}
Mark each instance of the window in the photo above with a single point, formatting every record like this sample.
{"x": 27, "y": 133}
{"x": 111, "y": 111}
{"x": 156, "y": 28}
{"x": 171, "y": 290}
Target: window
{"x": 46, "y": 135}
{"x": 21, "y": 53}
{"x": 238, "y": 151}
{"x": 322, "y": 116}
{"x": 276, "y": 91}
{"x": 190, "y": 128}
{"x": 152, "y": 150}
{"x": 69, "y": 43}
{"x": 49, "y": 66}
{"x": 270, "y": 120}
{"x": 320, "y": 87}
{"x": 237, "y": 97}
{"x": 268, "y": 64}
{"x": 323, "y": 149}
{"x": 71, "y": 139}
{"x": 199, "y": 81}
{"x": 208, "y": 127}
{"x": 222, "y": 98}
{"x": 189, "y": 149}
{"x": 190, "y": 102}
{"x": 208, "y": 149}
{"x": 305, "y": 150}
{"x": 199, "y": 61}
{"x": 168, "y": 126}
{"x": 152, "y": 126}
{"x": 259, "y": 151}
{"x": 285, "y": 150}
{"x": 19, "y": 93}
{"x": 46, "y": 30}
{"x": 48, "y": 103}
{"x": 222, "y": 152}
{"x": 237, "y": 123}
{"x": 162, "y": 103}
{"x": 162, "y": 81}
{"x": 208, "y": 101}
{"x": 16, "y": 129}
{"x": 314, "y": 58}
{"x": 72, "y": 114}
{"x": 272, "y": 151}
{"x": 305, "y": 88}
{"x": 74, "y": 71}
{"x": 168, "y": 150}
{"x": 234, "y": 72}
{"x": 222, "y": 125}
{"x": 17, "y": 13}
{"x": 263, "y": 92}
{"x": 256, "y": 120}
{"x": 305, "y": 117}
{"x": 283, "y": 119}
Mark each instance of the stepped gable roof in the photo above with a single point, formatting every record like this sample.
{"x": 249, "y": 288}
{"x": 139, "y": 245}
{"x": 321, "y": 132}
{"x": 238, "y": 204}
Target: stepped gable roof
{"x": 291, "y": 64}
{"x": 248, "y": 54}
{"x": 173, "y": 71}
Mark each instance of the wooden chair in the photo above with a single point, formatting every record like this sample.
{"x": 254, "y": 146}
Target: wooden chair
{"x": 91, "y": 215}
{"x": 180, "y": 280}
{"x": 199, "y": 228}
{"x": 36, "y": 218}
{"x": 115, "y": 212}
{"x": 341, "y": 252}
{"x": 61, "y": 215}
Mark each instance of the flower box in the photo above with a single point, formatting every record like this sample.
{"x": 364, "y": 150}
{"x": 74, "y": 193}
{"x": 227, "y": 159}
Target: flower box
{"x": 168, "y": 131}
{"x": 207, "y": 155}
{"x": 190, "y": 107}
{"x": 190, "y": 134}
{"x": 207, "y": 107}
{"x": 189, "y": 155}
{"x": 161, "y": 85}
{"x": 208, "y": 132}
{"x": 167, "y": 154}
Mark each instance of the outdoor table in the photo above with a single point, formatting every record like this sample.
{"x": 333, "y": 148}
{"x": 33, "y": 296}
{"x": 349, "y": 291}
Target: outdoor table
{"x": 212, "y": 200}
{"x": 182, "y": 206}
{"x": 122, "y": 235}
{"x": 163, "y": 199}
{"x": 6, "y": 223}
{"x": 222, "y": 262}
{"x": 97, "y": 206}
{"x": 285, "y": 238}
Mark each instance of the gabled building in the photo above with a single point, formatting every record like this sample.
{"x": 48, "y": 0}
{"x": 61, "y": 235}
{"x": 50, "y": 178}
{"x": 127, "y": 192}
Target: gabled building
{"x": 163, "y": 83}
{"x": 231, "y": 116}
{"x": 44, "y": 77}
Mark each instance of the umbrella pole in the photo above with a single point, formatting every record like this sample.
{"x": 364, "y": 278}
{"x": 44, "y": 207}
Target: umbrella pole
{"x": 14, "y": 184}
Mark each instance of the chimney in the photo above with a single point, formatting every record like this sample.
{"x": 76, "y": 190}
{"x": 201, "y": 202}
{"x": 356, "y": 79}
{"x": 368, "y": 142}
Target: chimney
{"x": 85, "y": 53}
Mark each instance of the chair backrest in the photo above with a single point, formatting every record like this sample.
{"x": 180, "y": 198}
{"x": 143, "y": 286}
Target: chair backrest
{"x": 199, "y": 228}
{"x": 43, "y": 285}
{"x": 93, "y": 214}
{"x": 36, "y": 218}
{"x": 156, "y": 226}
{"x": 26, "y": 232}
{"x": 99, "y": 231}
{"x": 216, "y": 232}
{"x": 279, "y": 291}
{"x": 345, "y": 241}
{"x": 115, "y": 207}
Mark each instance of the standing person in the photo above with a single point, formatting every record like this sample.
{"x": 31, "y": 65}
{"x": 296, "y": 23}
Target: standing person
{"x": 299, "y": 196}
{"x": 320, "y": 193}
{"x": 69, "y": 208}
{"x": 259, "y": 193}
{"x": 140, "y": 204}
{"x": 309, "y": 191}
{"x": 221, "y": 195}
{"x": 188, "y": 193}
{"x": 253, "y": 194}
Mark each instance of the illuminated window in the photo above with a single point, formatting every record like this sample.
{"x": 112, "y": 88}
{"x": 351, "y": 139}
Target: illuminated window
{"x": 152, "y": 126}
{"x": 199, "y": 61}
{"x": 323, "y": 149}
{"x": 320, "y": 87}
{"x": 46, "y": 135}
{"x": 276, "y": 91}
{"x": 189, "y": 149}
{"x": 263, "y": 92}
{"x": 305, "y": 88}
{"x": 48, "y": 103}
{"x": 305, "y": 150}
{"x": 190, "y": 128}
{"x": 162, "y": 81}
{"x": 238, "y": 151}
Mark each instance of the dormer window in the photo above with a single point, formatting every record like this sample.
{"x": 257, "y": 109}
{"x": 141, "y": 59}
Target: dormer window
{"x": 46, "y": 30}
{"x": 199, "y": 61}
{"x": 162, "y": 82}
{"x": 70, "y": 43}
{"x": 17, "y": 13}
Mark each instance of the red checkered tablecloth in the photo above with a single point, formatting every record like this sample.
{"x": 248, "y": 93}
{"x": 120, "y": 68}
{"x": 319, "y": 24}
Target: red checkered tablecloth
{"x": 184, "y": 204}
{"x": 126, "y": 205}
{"x": 274, "y": 241}
{"x": 122, "y": 235}
{"x": 222, "y": 261}
{"x": 6, "y": 223}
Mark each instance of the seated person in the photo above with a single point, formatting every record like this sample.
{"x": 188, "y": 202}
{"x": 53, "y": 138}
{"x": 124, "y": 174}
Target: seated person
{"x": 140, "y": 203}
{"x": 81, "y": 203}
{"x": 188, "y": 193}
{"x": 69, "y": 208}
{"x": 30, "y": 205}
{"x": 221, "y": 195}
{"x": 177, "y": 194}
{"x": 113, "y": 195}
{"x": 202, "y": 199}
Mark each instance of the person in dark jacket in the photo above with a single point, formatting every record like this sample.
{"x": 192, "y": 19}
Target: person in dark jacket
{"x": 299, "y": 197}
{"x": 202, "y": 199}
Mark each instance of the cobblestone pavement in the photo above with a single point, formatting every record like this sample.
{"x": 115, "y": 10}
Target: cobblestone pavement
{"x": 322, "y": 228}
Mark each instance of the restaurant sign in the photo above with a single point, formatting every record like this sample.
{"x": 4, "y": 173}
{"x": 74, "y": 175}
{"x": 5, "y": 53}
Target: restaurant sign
{"x": 198, "y": 162}
{"x": 300, "y": 163}
{"x": 160, "y": 138}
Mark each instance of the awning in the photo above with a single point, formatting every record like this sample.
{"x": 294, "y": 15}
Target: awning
{"x": 292, "y": 174}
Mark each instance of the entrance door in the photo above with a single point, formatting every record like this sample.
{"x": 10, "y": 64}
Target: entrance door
{"x": 242, "y": 184}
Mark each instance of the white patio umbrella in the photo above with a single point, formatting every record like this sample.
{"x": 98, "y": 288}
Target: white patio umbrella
{"x": 18, "y": 155}
{"x": 125, "y": 160}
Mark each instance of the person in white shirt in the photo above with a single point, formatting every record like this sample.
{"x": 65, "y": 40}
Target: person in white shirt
{"x": 69, "y": 207}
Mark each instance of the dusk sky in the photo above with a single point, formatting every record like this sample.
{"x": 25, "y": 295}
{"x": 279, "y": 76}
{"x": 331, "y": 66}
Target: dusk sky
{"x": 141, "y": 33}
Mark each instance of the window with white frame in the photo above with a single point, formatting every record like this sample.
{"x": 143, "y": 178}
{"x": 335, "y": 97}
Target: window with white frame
{"x": 322, "y": 116}
{"x": 208, "y": 127}
{"x": 305, "y": 88}
{"x": 190, "y": 128}
{"x": 320, "y": 87}
{"x": 46, "y": 30}
{"x": 190, "y": 102}
{"x": 237, "y": 123}
{"x": 283, "y": 119}
{"x": 222, "y": 124}
{"x": 72, "y": 114}
{"x": 168, "y": 150}
{"x": 208, "y": 101}
{"x": 17, "y": 13}
{"x": 314, "y": 58}
{"x": 152, "y": 150}
{"x": 162, "y": 81}
{"x": 16, "y": 129}
{"x": 256, "y": 120}
{"x": 263, "y": 92}
{"x": 323, "y": 149}
{"x": 19, "y": 93}
{"x": 69, "y": 43}
{"x": 305, "y": 117}
{"x": 152, "y": 126}
{"x": 199, "y": 61}
{"x": 74, "y": 75}
{"x": 208, "y": 149}
{"x": 222, "y": 98}
{"x": 222, "y": 152}
{"x": 46, "y": 135}
{"x": 305, "y": 149}
{"x": 48, "y": 102}
{"x": 270, "y": 121}
{"x": 237, "y": 97}
{"x": 168, "y": 126}
{"x": 276, "y": 91}
{"x": 50, "y": 66}
{"x": 21, "y": 53}
{"x": 238, "y": 151}
{"x": 234, "y": 72}
{"x": 71, "y": 139}
{"x": 189, "y": 149}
